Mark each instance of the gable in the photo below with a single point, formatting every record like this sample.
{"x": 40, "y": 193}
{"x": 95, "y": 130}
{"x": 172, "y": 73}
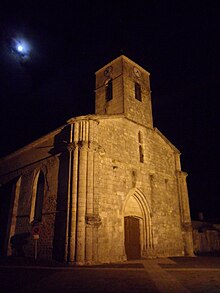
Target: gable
{"x": 35, "y": 152}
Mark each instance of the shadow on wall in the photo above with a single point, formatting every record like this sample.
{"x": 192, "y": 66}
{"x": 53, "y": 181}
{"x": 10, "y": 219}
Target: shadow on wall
{"x": 60, "y": 149}
{"x": 7, "y": 197}
{"x": 17, "y": 242}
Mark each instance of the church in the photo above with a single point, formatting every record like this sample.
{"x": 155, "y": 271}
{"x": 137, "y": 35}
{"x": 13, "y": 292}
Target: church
{"x": 106, "y": 187}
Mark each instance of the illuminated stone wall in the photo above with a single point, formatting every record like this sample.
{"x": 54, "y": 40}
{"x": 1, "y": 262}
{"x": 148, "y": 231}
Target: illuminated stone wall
{"x": 99, "y": 171}
{"x": 123, "y": 73}
{"x": 120, "y": 171}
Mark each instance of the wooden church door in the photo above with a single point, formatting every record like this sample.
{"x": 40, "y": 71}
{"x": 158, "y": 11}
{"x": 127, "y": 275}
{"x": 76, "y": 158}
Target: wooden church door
{"x": 132, "y": 237}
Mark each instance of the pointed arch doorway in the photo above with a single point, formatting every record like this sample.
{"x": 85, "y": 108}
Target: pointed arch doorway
{"x": 138, "y": 238}
{"x": 132, "y": 237}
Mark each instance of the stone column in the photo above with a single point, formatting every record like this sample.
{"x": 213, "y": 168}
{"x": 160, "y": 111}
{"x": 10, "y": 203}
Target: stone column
{"x": 185, "y": 198}
{"x": 95, "y": 221}
{"x": 89, "y": 200}
{"x": 185, "y": 214}
{"x": 150, "y": 243}
{"x": 68, "y": 214}
{"x": 81, "y": 204}
{"x": 73, "y": 197}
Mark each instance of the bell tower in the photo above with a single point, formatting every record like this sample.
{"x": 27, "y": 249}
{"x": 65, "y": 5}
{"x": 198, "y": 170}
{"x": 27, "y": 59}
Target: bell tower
{"x": 123, "y": 87}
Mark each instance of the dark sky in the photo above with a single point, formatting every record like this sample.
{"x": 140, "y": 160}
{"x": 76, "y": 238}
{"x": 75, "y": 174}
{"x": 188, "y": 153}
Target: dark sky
{"x": 178, "y": 42}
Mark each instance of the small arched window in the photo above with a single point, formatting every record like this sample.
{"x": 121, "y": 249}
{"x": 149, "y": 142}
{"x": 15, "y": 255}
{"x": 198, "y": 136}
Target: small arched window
{"x": 37, "y": 198}
{"x": 141, "y": 149}
{"x": 108, "y": 90}
{"x": 141, "y": 154}
{"x": 138, "y": 92}
{"x": 140, "y": 137}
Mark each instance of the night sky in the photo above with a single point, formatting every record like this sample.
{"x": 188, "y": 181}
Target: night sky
{"x": 178, "y": 42}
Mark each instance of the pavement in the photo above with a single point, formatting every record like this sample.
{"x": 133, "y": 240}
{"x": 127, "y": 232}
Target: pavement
{"x": 167, "y": 275}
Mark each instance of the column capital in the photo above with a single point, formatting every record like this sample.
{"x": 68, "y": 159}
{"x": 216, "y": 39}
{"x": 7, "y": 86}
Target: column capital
{"x": 71, "y": 146}
{"x": 83, "y": 144}
{"x": 93, "y": 220}
{"x": 181, "y": 174}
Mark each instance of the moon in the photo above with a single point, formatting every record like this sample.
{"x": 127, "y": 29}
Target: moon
{"x": 20, "y": 48}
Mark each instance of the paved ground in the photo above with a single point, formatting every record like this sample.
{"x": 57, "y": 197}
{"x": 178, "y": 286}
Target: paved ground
{"x": 169, "y": 275}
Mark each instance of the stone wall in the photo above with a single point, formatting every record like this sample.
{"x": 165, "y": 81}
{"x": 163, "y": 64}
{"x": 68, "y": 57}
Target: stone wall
{"x": 122, "y": 73}
{"x": 116, "y": 181}
{"x": 24, "y": 165}
{"x": 206, "y": 238}
{"x": 119, "y": 170}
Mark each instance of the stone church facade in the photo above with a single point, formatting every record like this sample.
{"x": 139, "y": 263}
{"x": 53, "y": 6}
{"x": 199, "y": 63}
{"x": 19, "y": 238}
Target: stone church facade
{"x": 102, "y": 188}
